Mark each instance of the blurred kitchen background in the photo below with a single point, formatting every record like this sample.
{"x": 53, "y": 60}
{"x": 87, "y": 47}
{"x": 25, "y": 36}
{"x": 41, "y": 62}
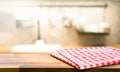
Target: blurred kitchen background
{"x": 64, "y": 22}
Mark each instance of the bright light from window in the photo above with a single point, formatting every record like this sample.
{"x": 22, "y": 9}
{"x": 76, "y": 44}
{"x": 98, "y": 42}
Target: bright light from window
{"x": 24, "y": 13}
{"x": 21, "y": 9}
{"x": 19, "y": 3}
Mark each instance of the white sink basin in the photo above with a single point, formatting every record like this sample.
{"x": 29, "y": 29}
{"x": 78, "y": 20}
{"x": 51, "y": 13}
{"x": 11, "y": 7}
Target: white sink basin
{"x": 36, "y": 48}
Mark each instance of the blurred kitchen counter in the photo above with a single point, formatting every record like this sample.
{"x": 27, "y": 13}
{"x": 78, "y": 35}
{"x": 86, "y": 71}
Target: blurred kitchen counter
{"x": 80, "y": 46}
{"x": 7, "y": 48}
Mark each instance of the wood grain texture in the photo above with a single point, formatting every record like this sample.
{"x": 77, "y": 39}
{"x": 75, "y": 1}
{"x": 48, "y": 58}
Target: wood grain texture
{"x": 42, "y": 62}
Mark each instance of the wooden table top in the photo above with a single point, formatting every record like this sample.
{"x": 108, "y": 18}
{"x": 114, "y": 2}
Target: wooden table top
{"x": 32, "y": 60}
{"x": 42, "y": 62}
{"x": 38, "y": 61}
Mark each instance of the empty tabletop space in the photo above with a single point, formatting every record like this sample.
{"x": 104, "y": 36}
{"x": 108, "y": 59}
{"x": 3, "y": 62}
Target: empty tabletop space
{"x": 39, "y": 61}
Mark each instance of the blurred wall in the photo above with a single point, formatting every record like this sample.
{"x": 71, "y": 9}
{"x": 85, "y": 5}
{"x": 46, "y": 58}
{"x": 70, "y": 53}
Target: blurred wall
{"x": 57, "y": 33}
{"x": 54, "y": 31}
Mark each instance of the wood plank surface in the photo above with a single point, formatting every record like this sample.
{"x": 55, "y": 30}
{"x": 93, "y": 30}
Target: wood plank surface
{"x": 43, "y": 62}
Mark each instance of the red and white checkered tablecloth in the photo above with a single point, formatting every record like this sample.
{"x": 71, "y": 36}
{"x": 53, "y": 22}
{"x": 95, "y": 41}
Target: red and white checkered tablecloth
{"x": 90, "y": 57}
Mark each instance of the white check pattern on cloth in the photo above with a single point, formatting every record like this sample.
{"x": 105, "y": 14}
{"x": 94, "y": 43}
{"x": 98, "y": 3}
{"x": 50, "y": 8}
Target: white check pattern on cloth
{"x": 90, "y": 57}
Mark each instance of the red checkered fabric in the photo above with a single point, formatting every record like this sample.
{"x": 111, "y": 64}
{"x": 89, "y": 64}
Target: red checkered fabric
{"x": 90, "y": 57}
